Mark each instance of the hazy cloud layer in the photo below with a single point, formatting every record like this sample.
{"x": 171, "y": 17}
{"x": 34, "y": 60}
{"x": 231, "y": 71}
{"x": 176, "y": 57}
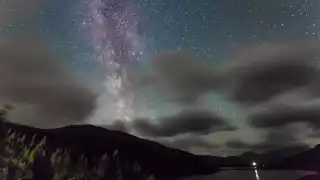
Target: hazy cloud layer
{"x": 260, "y": 73}
{"x": 274, "y": 139}
{"x": 193, "y": 122}
{"x": 42, "y": 91}
{"x": 189, "y": 143}
{"x": 178, "y": 74}
{"x": 119, "y": 125}
{"x": 252, "y": 76}
{"x": 45, "y": 94}
{"x": 11, "y": 10}
{"x": 264, "y": 78}
{"x": 280, "y": 115}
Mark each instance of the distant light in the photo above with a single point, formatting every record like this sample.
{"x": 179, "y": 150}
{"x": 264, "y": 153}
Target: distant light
{"x": 254, "y": 164}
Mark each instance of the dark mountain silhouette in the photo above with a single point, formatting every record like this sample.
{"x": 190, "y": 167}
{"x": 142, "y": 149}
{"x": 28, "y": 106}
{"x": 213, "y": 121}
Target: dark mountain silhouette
{"x": 154, "y": 158}
{"x": 243, "y": 160}
{"x": 305, "y": 160}
{"x": 269, "y": 159}
{"x": 281, "y": 154}
{"x": 161, "y": 161}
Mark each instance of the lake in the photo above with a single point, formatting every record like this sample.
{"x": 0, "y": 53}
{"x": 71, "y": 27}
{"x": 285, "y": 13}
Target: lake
{"x": 252, "y": 175}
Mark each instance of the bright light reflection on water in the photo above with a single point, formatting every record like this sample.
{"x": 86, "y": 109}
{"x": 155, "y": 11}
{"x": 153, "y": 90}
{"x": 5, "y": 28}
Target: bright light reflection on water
{"x": 257, "y": 174}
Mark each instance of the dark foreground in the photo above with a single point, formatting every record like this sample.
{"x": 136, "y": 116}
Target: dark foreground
{"x": 89, "y": 152}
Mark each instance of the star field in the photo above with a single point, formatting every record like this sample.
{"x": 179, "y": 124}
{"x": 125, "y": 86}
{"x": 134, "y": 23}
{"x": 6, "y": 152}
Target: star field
{"x": 104, "y": 41}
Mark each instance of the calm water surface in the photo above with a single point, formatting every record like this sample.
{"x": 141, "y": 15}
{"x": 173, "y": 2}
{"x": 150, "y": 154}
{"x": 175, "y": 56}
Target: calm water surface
{"x": 253, "y": 175}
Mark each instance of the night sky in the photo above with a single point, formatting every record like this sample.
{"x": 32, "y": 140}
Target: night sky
{"x": 109, "y": 45}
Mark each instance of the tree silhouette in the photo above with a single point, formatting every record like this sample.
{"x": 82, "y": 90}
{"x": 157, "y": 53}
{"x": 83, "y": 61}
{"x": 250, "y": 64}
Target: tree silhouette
{"x": 30, "y": 156}
{"x": 3, "y": 117}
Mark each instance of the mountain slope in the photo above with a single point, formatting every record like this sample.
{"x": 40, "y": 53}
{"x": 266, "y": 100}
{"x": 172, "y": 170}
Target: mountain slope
{"x": 94, "y": 141}
{"x": 306, "y": 160}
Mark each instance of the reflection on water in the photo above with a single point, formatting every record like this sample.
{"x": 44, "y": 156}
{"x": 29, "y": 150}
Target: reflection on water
{"x": 254, "y": 164}
{"x": 253, "y": 174}
{"x": 257, "y": 174}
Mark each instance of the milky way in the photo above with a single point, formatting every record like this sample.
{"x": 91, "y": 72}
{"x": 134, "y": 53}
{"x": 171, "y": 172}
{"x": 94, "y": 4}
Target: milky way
{"x": 114, "y": 30}
{"x": 108, "y": 33}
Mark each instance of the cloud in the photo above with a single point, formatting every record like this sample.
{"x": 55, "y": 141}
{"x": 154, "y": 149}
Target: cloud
{"x": 276, "y": 114}
{"x": 279, "y": 82}
{"x": 182, "y": 75}
{"x": 189, "y": 143}
{"x": 252, "y": 76}
{"x": 192, "y": 142}
{"x": 43, "y": 92}
{"x": 119, "y": 125}
{"x": 11, "y": 10}
{"x": 240, "y": 144}
{"x": 273, "y": 140}
{"x": 259, "y": 73}
{"x": 194, "y": 122}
